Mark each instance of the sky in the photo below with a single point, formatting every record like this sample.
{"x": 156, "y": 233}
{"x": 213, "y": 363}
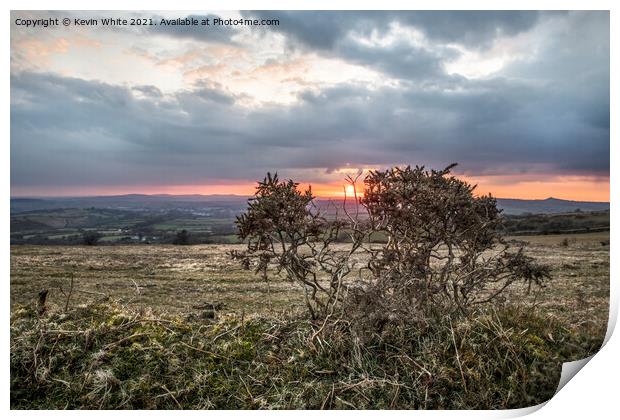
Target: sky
{"x": 519, "y": 99}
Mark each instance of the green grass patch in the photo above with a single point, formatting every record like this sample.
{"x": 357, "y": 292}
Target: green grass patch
{"x": 106, "y": 356}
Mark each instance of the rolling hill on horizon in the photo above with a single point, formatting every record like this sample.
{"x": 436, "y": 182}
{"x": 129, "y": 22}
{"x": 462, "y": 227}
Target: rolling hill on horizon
{"x": 510, "y": 206}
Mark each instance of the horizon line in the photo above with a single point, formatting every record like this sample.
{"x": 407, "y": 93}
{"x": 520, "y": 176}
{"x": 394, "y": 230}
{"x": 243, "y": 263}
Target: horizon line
{"x": 248, "y": 196}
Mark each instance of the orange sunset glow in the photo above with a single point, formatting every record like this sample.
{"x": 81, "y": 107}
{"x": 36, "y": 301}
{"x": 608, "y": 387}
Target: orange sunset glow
{"x": 567, "y": 188}
{"x": 189, "y": 114}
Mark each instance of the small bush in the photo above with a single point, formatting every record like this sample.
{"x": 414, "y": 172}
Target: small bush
{"x": 181, "y": 238}
{"x": 91, "y": 238}
{"x": 444, "y": 252}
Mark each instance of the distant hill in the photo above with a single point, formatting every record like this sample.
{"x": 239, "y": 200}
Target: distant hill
{"x": 129, "y": 202}
{"x": 195, "y": 201}
{"x": 551, "y": 205}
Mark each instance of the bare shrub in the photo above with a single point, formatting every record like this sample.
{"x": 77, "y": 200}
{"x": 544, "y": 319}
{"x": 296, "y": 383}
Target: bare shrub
{"x": 286, "y": 231}
{"x": 443, "y": 250}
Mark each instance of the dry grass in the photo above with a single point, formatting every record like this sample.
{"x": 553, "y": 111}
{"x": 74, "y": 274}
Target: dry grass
{"x": 169, "y": 277}
{"x": 176, "y": 278}
{"x": 106, "y": 356}
{"x": 578, "y": 295}
{"x": 133, "y": 350}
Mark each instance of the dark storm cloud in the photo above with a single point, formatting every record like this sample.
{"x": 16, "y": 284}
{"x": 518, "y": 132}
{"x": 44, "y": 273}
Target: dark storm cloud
{"x": 550, "y": 111}
{"x": 400, "y": 60}
{"x": 324, "y": 29}
{"x": 68, "y": 132}
{"x": 469, "y": 27}
{"x": 337, "y": 34}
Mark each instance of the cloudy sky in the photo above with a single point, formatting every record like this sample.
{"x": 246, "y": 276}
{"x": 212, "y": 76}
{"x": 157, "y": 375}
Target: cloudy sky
{"x": 519, "y": 99}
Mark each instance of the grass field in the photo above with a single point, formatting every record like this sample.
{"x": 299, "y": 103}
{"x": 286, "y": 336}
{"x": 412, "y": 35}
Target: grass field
{"x": 176, "y": 278}
{"x": 131, "y": 350}
{"x": 165, "y": 277}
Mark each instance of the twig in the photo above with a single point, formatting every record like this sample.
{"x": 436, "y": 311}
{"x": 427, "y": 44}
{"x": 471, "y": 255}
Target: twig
{"x": 458, "y": 359}
{"x": 172, "y": 395}
{"x": 65, "y": 383}
{"x": 330, "y": 396}
{"x": 69, "y": 294}
{"x": 116, "y": 343}
{"x": 137, "y": 287}
{"x": 247, "y": 389}
{"x": 226, "y": 332}
{"x": 346, "y": 403}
